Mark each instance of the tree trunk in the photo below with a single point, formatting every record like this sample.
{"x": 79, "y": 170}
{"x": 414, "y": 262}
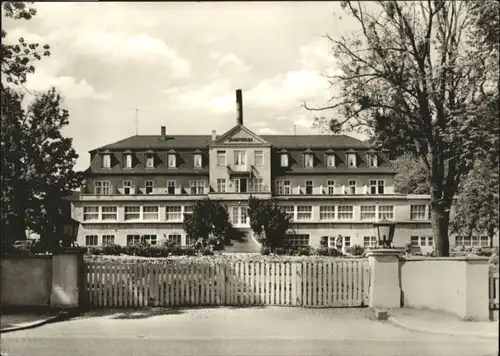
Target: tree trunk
{"x": 440, "y": 221}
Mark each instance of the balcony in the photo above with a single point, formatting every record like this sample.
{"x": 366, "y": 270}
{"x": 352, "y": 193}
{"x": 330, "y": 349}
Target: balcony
{"x": 139, "y": 193}
{"x": 239, "y": 168}
{"x": 231, "y": 193}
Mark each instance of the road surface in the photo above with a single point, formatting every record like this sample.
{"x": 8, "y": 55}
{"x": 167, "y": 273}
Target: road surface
{"x": 229, "y": 331}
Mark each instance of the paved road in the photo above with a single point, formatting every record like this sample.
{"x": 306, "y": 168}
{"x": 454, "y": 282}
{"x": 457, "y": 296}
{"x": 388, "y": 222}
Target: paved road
{"x": 226, "y": 331}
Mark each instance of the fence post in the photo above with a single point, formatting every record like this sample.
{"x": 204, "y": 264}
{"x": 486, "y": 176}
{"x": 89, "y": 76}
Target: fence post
{"x": 297, "y": 267}
{"x": 222, "y": 283}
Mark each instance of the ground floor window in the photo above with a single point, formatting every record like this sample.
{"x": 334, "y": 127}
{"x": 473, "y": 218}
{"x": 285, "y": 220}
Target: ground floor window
{"x": 239, "y": 215}
{"x": 177, "y": 238}
{"x": 133, "y": 240}
{"x": 108, "y": 240}
{"x": 419, "y": 241}
{"x": 91, "y": 240}
{"x": 149, "y": 239}
{"x": 339, "y": 241}
{"x": 468, "y": 241}
{"x": 369, "y": 241}
{"x": 296, "y": 240}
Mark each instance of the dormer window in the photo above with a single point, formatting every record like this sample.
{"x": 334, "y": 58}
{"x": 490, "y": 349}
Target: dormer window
{"x": 150, "y": 159}
{"x": 371, "y": 159}
{"x": 351, "y": 159}
{"x": 197, "y": 160}
{"x": 284, "y": 159}
{"x": 127, "y": 159}
{"x": 330, "y": 159}
{"x": 171, "y": 160}
{"x": 308, "y": 159}
{"x": 106, "y": 160}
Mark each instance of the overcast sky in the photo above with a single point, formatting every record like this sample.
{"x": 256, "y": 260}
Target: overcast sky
{"x": 180, "y": 64}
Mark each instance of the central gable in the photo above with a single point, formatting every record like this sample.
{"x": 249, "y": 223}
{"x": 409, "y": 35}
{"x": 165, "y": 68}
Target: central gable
{"x": 239, "y": 135}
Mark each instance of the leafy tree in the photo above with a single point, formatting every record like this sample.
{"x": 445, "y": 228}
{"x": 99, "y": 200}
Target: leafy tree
{"x": 37, "y": 160}
{"x": 268, "y": 221}
{"x": 414, "y": 65}
{"x": 209, "y": 222}
{"x": 476, "y": 209}
{"x": 410, "y": 177}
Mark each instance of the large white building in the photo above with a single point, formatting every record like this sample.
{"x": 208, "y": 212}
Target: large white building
{"x": 140, "y": 187}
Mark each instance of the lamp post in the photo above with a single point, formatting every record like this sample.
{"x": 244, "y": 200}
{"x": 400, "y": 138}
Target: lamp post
{"x": 385, "y": 232}
{"x": 69, "y": 232}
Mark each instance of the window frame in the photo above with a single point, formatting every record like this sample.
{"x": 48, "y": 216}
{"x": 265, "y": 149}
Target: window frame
{"x": 240, "y": 157}
{"x": 327, "y": 161}
{"x": 150, "y": 157}
{"x": 346, "y": 212}
{"x": 171, "y": 160}
{"x": 423, "y": 213}
{"x": 304, "y": 209}
{"x": 198, "y": 158}
{"x": 309, "y": 188}
{"x": 151, "y": 186}
{"x": 92, "y": 236}
{"x": 284, "y": 160}
{"x": 105, "y": 238}
{"x": 258, "y": 153}
{"x": 348, "y": 161}
{"x": 330, "y": 186}
{"x": 327, "y": 212}
{"x": 134, "y": 213}
{"x": 221, "y": 185}
{"x": 174, "y": 216}
{"x": 308, "y": 157}
{"x": 128, "y": 160}
{"x": 106, "y": 158}
{"x": 221, "y": 154}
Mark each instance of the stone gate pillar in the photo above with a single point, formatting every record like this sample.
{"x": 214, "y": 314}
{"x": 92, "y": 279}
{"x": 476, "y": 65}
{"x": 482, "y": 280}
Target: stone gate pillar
{"x": 385, "y": 286}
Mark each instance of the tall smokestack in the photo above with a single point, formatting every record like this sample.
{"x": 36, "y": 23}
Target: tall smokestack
{"x": 239, "y": 107}
{"x": 163, "y": 133}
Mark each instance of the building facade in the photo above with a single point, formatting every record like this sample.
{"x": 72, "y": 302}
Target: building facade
{"x": 139, "y": 188}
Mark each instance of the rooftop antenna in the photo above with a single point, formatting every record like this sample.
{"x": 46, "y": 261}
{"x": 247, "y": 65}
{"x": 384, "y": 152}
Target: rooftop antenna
{"x": 137, "y": 121}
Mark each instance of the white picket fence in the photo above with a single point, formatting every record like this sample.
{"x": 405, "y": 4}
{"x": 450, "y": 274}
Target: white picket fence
{"x": 337, "y": 283}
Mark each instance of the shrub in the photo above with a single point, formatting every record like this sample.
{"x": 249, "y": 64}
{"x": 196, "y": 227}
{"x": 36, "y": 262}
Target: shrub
{"x": 324, "y": 241}
{"x": 95, "y": 251}
{"x": 264, "y": 250}
{"x": 303, "y": 251}
{"x": 207, "y": 251}
{"x": 187, "y": 251}
{"x": 112, "y": 249}
{"x": 356, "y": 250}
{"x": 281, "y": 251}
{"x": 322, "y": 251}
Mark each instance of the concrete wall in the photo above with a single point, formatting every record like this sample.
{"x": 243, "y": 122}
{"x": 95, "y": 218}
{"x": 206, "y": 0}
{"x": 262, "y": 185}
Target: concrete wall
{"x": 455, "y": 285}
{"x": 25, "y": 281}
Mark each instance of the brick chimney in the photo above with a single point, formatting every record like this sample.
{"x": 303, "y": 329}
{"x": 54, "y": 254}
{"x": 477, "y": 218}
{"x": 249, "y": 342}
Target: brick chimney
{"x": 163, "y": 133}
{"x": 214, "y": 135}
{"x": 239, "y": 107}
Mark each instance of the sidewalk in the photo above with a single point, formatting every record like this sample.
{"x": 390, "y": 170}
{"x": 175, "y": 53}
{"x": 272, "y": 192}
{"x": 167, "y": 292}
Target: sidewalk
{"x": 436, "y": 322}
{"x": 21, "y": 321}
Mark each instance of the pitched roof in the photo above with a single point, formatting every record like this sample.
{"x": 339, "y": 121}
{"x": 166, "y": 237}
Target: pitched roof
{"x": 141, "y": 142}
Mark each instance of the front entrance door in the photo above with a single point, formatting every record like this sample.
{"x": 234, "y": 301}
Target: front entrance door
{"x": 240, "y": 185}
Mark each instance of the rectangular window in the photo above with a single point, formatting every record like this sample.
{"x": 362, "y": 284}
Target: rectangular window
{"x": 173, "y": 213}
{"x": 243, "y": 215}
{"x": 108, "y": 240}
{"x": 467, "y": 241}
{"x": 344, "y": 241}
{"x": 386, "y": 212}
{"x": 171, "y": 187}
{"x": 297, "y": 240}
{"x": 239, "y": 157}
{"x": 284, "y": 160}
{"x": 304, "y": 212}
{"x": 133, "y": 240}
{"x": 171, "y": 160}
{"x": 258, "y": 185}
{"x": 102, "y": 187}
{"x": 345, "y": 212}
{"x": 221, "y": 158}
{"x": 484, "y": 241}
{"x": 127, "y": 187}
{"x": 177, "y": 238}
{"x": 90, "y": 213}
{"x": 347, "y": 241}
{"x": 330, "y": 160}
{"x": 371, "y": 159}
{"x": 128, "y": 161}
{"x": 351, "y": 189}
{"x": 109, "y": 213}
{"x": 351, "y": 160}
{"x": 235, "y": 216}
{"x": 373, "y": 187}
{"x": 132, "y": 213}
{"x": 283, "y": 187}
{"x": 309, "y": 186}
{"x": 414, "y": 241}
{"x": 106, "y": 161}
{"x": 221, "y": 185}
{"x": 380, "y": 186}
{"x": 149, "y": 186}
{"x": 289, "y": 210}
{"x": 150, "y": 212}
{"x": 308, "y": 160}
{"x": 150, "y": 239}
{"x": 188, "y": 209}
{"x": 198, "y": 162}
{"x": 258, "y": 158}
{"x": 369, "y": 241}
{"x": 368, "y": 212}
{"x": 330, "y": 186}
{"x": 91, "y": 240}
{"x": 417, "y": 212}
{"x": 327, "y": 212}
{"x": 197, "y": 186}
{"x": 430, "y": 241}
{"x": 429, "y": 212}
{"x": 150, "y": 162}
